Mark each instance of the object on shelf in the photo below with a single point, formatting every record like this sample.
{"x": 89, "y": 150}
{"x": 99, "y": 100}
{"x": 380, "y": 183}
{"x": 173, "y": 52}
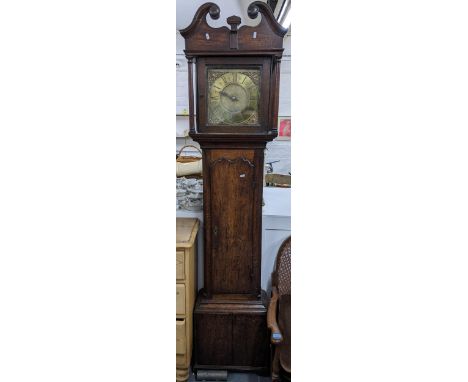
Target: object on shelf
{"x": 284, "y": 132}
{"x": 269, "y": 166}
{"x": 182, "y": 127}
{"x": 189, "y": 165}
{"x": 189, "y": 194}
{"x": 278, "y": 180}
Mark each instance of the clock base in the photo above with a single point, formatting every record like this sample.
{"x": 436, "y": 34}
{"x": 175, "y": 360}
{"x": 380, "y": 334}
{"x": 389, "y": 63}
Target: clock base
{"x": 230, "y": 333}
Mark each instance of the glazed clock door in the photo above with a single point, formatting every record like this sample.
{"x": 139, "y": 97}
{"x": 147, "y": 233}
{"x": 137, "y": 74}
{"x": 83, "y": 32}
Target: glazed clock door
{"x": 232, "y": 210}
{"x": 234, "y": 96}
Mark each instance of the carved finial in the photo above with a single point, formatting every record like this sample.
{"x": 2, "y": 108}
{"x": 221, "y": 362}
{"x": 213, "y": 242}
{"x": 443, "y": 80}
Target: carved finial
{"x": 233, "y": 21}
{"x": 266, "y": 36}
{"x": 214, "y": 11}
{"x": 252, "y": 11}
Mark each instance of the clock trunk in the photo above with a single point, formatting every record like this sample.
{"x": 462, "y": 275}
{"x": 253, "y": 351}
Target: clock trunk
{"x": 230, "y": 314}
{"x": 233, "y": 180}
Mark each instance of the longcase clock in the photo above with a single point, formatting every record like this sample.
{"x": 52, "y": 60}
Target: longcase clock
{"x": 236, "y": 72}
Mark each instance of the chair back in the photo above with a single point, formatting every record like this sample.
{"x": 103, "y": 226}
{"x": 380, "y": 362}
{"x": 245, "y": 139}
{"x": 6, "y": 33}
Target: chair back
{"x": 281, "y": 277}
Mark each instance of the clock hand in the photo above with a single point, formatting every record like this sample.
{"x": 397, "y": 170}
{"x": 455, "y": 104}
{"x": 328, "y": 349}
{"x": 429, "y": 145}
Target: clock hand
{"x": 233, "y": 98}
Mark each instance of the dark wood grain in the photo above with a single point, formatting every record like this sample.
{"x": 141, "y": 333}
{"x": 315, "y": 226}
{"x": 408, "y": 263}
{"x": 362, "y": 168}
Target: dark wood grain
{"x": 230, "y": 329}
{"x": 250, "y": 340}
{"x": 190, "y": 86}
{"x": 232, "y": 248}
{"x": 213, "y": 339}
{"x": 268, "y": 38}
{"x": 231, "y": 333}
{"x": 231, "y": 341}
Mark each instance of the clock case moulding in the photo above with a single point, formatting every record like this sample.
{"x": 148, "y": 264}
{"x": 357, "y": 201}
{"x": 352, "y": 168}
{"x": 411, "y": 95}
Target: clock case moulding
{"x": 230, "y": 313}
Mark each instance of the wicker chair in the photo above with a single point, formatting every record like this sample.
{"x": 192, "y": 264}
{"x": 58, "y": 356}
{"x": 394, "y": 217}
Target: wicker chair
{"x": 279, "y": 314}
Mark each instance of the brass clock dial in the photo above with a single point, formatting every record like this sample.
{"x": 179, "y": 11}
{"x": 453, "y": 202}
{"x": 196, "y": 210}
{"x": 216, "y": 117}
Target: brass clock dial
{"x": 233, "y": 96}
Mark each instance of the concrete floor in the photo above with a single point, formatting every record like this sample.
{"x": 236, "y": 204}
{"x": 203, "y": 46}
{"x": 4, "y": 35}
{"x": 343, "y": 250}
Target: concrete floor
{"x": 240, "y": 377}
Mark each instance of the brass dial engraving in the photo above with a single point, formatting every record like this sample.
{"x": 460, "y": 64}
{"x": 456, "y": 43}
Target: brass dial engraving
{"x": 233, "y": 96}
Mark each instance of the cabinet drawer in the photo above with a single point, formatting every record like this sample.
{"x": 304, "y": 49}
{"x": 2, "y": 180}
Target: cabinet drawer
{"x": 180, "y": 299}
{"x": 181, "y": 339}
{"x": 180, "y": 267}
{"x": 182, "y": 361}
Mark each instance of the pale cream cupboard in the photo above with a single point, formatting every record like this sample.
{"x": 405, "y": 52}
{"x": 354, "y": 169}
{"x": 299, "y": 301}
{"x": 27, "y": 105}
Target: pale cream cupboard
{"x": 186, "y": 284}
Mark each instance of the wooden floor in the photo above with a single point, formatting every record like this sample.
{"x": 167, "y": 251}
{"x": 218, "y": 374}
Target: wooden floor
{"x": 240, "y": 377}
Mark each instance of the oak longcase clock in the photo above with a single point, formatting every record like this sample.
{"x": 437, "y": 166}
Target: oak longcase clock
{"x": 236, "y": 72}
